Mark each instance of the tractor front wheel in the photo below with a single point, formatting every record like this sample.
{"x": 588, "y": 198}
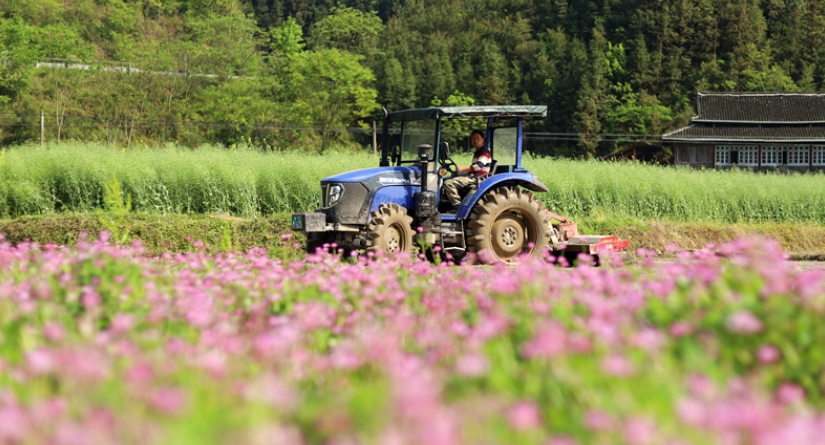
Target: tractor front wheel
{"x": 508, "y": 223}
{"x": 390, "y": 230}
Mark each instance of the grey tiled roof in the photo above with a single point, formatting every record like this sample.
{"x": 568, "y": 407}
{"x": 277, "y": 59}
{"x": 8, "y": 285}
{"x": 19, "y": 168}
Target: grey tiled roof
{"x": 754, "y": 117}
{"x": 749, "y": 133}
{"x": 761, "y": 107}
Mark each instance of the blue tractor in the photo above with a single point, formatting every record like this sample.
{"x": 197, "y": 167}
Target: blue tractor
{"x": 398, "y": 206}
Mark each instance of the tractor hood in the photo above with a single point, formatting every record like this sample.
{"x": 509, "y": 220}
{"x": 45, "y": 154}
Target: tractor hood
{"x": 359, "y": 188}
{"x": 382, "y": 176}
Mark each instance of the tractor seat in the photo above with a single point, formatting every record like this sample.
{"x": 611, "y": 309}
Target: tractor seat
{"x": 504, "y": 169}
{"x": 490, "y": 172}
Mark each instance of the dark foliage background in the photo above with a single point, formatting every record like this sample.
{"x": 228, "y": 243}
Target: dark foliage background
{"x": 306, "y": 73}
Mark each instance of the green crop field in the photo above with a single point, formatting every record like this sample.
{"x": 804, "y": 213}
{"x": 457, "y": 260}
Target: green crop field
{"x": 242, "y": 182}
{"x": 680, "y": 194}
{"x": 247, "y": 182}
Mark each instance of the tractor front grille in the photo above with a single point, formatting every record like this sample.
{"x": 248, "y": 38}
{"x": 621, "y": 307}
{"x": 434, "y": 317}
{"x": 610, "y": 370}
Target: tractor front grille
{"x": 349, "y": 210}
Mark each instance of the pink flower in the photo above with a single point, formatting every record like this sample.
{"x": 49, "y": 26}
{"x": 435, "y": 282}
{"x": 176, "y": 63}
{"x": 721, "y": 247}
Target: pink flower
{"x": 213, "y": 362}
{"x": 790, "y": 393}
{"x": 90, "y": 299}
{"x": 14, "y": 424}
{"x": 122, "y": 323}
{"x": 272, "y": 391}
{"x": 701, "y": 386}
{"x": 199, "y": 317}
{"x": 524, "y": 415}
{"x": 87, "y": 364}
{"x": 550, "y": 341}
{"x": 345, "y": 358}
{"x": 597, "y": 420}
{"x": 140, "y": 374}
{"x": 617, "y": 365}
{"x": 639, "y": 431}
{"x": 53, "y": 332}
{"x": 650, "y": 340}
{"x": 47, "y": 410}
{"x": 41, "y": 361}
{"x": 441, "y": 429}
{"x": 743, "y": 322}
{"x": 170, "y": 400}
{"x": 472, "y": 365}
{"x": 768, "y": 354}
{"x": 692, "y": 412}
{"x": 561, "y": 440}
{"x": 680, "y": 329}
{"x": 273, "y": 433}
{"x": 580, "y": 344}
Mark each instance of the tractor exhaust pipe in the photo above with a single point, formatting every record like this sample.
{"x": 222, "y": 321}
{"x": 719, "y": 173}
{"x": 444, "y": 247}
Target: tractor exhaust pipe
{"x": 425, "y": 152}
{"x": 425, "y": 199}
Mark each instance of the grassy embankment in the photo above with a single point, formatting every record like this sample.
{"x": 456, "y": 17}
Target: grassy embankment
{"x": 241, "y": 198}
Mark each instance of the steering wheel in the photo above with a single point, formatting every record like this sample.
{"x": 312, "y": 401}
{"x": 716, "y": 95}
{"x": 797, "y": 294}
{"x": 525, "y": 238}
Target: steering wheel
{"x": 448, "y": 164}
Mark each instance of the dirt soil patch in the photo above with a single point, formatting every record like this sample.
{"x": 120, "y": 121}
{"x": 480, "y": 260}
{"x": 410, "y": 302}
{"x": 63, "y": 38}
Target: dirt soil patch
{"x": 801, "y": 241}
{"x": 173, "y": 233}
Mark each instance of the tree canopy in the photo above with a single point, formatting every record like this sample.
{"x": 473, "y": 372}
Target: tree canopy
{"x": 230, "y": 70}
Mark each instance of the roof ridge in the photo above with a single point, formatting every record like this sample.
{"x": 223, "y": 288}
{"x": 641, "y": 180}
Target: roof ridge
{"x": 759, "y": 93}
{"x": 677, "y": 131}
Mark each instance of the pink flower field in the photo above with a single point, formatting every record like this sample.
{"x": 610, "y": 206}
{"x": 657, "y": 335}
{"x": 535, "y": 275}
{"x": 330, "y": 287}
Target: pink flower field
{"x": 103, "y": 344}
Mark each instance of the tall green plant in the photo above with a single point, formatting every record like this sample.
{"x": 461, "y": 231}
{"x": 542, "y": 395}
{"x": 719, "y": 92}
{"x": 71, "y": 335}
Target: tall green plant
{"x": 116, "y": 207}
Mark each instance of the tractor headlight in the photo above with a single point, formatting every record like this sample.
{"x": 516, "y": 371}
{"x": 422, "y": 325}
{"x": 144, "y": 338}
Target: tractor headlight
{"x": 336, "y": 192}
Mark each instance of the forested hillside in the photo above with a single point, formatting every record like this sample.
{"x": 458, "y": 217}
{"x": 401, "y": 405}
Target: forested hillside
{"x": 280, "y": 71}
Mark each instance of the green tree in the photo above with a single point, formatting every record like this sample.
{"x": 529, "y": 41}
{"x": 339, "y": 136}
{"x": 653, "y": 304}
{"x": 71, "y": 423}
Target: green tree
{"x": 335, "y": 91}
{"x": 347, "y": 29}
{"x": 437, "y": 76}
{"x": 398, "y": 88}
{"x": 456, "y": 130}
{"x": 238, "y": 105}
{"x": 593, "y": 98}
{"x": 492, "y": 75}
{"x": 743, "y": 32}
{"x": 42, "y": 13}
{"x": 287, "y": 40}
{"x": 627, "y": 110}
{"x": 223, "y": 41}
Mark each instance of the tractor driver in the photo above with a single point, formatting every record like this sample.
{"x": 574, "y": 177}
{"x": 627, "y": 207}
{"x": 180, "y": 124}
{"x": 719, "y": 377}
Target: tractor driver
{"x": 480, "y": 167}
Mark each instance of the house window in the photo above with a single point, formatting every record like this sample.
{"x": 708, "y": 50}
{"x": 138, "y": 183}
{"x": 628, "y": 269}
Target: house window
{"x": 818, "y": 155}
{"x": 771, "y": 155}
{"x": 798, "y": 155}
{"x": 748, "y": 156}
{"x": 722, "y": 155}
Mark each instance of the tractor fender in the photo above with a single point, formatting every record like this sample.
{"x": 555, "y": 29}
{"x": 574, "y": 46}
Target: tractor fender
{"x": 522, "y": 179}
{"x": 403, "y": 196}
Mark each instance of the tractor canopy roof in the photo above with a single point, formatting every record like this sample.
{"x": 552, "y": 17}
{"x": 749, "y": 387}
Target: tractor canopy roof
{"x": 486, "y": 111}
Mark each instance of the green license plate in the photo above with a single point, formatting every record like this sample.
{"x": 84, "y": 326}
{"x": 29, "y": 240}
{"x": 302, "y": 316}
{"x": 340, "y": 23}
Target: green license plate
{"x": 297, "y": 222}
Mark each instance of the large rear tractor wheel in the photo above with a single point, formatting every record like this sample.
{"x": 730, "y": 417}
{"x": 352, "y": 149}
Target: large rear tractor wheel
{"x": 390, "y": 230}
{"x": 506, "y": 224}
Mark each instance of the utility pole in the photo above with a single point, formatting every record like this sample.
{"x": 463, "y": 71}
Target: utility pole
{"x": 374, "y": 139}
{"x": 42, "y": 128}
